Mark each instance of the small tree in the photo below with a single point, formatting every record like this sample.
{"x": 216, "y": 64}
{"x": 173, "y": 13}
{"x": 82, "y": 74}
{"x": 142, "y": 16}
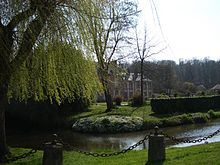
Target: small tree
{"x": 146, "y": 47}
{"x": 189, "y": 88}
{"x": 118, "y": 100}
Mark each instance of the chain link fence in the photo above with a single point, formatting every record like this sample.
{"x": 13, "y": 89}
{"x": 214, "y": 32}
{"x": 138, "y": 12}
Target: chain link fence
{"x": 95, "y": 154}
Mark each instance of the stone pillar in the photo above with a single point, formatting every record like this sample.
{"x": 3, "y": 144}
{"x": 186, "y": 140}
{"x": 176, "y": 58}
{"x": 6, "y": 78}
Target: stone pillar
{"x": 156, "y": 150}
{"x": 53, "y": 153}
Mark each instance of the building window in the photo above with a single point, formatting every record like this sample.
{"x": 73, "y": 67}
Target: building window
{"x": 149, "y": 85}
{"x": 125, "y": 96}
{"x": 116, "y": 92}
{"x": 138, "y": 85}
{"x": 144, "y": 85}
{"x": 130, "y": 86}
{"x": 145, "y": 94}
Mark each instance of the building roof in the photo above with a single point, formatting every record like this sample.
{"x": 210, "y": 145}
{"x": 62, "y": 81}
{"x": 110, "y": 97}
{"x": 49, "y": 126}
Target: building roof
{"x": 136, "y": 77}
{"x": 216, "y": 87}
{"x": 131, "y": 77}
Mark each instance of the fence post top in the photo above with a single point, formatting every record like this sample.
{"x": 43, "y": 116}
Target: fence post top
{"x": 156, "y": 129}
{"x": 55, "y": 141}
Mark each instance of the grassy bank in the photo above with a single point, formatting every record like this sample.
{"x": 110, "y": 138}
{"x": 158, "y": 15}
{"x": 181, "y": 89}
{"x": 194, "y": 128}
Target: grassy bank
{"x": 200, "y": 154}
{"x": 150, "y": 119}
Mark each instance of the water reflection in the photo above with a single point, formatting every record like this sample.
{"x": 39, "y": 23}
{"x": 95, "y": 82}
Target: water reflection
{"x": 94, "y": 142}
{"x": 200, "y": 132}
{"x": 123, "y": 141}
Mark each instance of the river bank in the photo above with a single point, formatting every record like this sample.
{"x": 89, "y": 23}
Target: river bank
{"x": 129, "y": 119}
{"x": 200, "y": 154}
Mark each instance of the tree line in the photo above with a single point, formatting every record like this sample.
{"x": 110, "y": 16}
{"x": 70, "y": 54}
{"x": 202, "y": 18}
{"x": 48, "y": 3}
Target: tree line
{"x": 169, "y": 77}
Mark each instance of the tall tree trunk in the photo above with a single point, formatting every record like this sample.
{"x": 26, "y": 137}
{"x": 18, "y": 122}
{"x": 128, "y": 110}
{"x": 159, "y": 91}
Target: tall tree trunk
{"x": 5, "y": 71}
{"x": 105, "y": 83}
{"x": 4, "y": 150}
{"x": 142, "y": 78}
{"x": 108, "y": 99}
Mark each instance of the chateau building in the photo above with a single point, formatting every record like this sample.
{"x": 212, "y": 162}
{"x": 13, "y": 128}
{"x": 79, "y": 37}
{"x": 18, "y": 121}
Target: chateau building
{"x": 130, "y": 85}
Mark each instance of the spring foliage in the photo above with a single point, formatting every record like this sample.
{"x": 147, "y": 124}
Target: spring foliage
{"x": 55, "y": 72}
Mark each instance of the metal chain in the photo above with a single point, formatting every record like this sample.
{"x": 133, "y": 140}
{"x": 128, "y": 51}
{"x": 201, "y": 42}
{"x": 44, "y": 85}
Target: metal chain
{"x": 8, "y": 159}
{"x": 191, "y": 141}
{"x": 104, "y": 154}
{"x": 15, "y": 158}
{"x": 33, "y": 151}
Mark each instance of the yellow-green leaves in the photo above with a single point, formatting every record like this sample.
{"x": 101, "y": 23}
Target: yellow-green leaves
{"x": 56, "y": 72}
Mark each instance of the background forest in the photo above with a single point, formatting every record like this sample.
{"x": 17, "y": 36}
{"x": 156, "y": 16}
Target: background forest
{"x": 189, "y": 76}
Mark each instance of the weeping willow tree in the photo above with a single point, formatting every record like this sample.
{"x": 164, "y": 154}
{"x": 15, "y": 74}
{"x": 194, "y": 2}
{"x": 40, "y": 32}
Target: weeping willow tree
{"x": 104, "y": 30}
{"x": 56, "y": 72}
{"x": 27, "y": 29}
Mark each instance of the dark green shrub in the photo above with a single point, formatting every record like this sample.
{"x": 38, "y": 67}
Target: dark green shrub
{"x": 41, "y": 114}
{"x": 34, "y": 115}
{"x": 217, "y": 114}
{"x": 105, "y": 122}
{"x": 212, "y": 114}
{"x": 186, "y": 119}
{"x": 215, "y": 102}
{"x": 171, "y": 121}
{"x": 118, "y": 100}
{"x": 137, "y": 100}
{"x": 200, "y": 118}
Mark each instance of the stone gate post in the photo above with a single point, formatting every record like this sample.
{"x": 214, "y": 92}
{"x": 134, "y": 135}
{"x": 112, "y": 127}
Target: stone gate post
{"x": 53, "y": 153}
{"x": 156, "y": 147}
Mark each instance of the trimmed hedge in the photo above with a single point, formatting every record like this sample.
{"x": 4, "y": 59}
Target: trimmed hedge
{"x": 185, "y": 105}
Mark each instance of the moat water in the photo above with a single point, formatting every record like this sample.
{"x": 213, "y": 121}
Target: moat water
{"x": 93, "y": 142}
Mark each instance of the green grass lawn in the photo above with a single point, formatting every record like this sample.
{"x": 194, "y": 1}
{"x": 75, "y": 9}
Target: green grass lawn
{"x": 125, "y": 110}
{"x": 206, "y": 154}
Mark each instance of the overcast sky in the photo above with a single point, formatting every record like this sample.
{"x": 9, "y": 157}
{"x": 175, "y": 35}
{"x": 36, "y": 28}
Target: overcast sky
{"x": 190, "y": 27}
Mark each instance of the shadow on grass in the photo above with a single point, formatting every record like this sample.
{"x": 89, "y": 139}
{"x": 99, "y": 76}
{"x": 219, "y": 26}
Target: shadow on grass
{"x": 89, "y": 115}
{"x": 155, "y": 163}
{"x": 122, "y": 112}
{"x": 161, "y": 116}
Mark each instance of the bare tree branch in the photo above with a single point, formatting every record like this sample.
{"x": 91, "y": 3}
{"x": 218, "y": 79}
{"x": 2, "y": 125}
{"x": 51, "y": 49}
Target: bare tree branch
{"x": 20, "y": 17}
